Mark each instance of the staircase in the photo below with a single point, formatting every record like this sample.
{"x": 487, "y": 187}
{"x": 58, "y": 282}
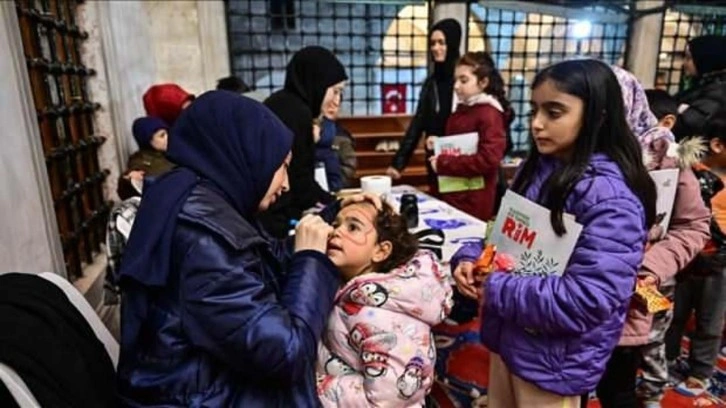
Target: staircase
{"x": 368, "y": 132}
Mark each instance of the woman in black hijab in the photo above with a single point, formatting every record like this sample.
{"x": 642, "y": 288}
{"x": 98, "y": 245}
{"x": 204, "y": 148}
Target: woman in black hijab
{"x": 705, "y": 63}
{"x": 436, "y": 99}
{"x": 314, "y": 76}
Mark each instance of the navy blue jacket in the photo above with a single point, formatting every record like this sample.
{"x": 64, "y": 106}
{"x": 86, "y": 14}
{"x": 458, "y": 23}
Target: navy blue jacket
{"x": 238, "y": 323}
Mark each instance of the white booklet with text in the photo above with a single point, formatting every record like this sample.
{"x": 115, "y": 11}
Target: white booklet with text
{"x": 523, "y": 230}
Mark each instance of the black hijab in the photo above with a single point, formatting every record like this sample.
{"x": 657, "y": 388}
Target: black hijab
{"x": 708, "y": 53}
{"x": 309, "y": 74}
{"x": 452, "y": 36}
{"x": 444, "y": 75}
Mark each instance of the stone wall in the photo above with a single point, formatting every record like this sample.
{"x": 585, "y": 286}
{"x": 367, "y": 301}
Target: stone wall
{"x": 29, "y": 241}
{"x": 143, "y": 43}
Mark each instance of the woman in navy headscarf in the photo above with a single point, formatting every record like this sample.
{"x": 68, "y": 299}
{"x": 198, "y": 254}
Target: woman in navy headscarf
{"x": 214, "y": 314}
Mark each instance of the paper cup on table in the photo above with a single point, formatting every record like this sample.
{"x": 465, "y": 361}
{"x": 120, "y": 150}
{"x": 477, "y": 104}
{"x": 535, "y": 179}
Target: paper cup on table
{"x": 378, "y": 185}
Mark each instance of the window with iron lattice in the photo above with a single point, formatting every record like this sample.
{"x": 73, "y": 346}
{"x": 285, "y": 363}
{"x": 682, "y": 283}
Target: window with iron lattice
{"x": 52, "y": 42}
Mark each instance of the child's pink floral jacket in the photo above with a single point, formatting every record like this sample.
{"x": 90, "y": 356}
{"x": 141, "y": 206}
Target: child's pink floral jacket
{"x": 378, "y": 349}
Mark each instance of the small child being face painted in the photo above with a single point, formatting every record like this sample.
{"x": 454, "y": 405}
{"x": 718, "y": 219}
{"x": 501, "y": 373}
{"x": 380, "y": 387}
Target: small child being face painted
{"x": 354, "y": 246}
{"x": 366, "y": 240}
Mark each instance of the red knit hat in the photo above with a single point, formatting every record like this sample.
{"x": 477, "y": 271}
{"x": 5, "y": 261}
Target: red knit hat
{"x": 165, "y": 101}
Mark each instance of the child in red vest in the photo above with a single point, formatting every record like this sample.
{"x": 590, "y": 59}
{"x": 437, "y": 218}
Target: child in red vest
{"x": 483, "y": 109}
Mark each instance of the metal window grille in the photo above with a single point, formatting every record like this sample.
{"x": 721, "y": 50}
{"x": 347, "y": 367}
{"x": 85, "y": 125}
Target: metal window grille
{"x": 681, "y": 23}
{"x": 524, "y": 37}
{"x": 282, "y": 13}
{"x": 51, "y": 42}
{"x": 383, "y": 46}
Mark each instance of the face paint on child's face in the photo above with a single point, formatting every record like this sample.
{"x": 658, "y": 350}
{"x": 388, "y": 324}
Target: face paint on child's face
{"x": 356, "y": 227}
{"x": 354, "y": 240}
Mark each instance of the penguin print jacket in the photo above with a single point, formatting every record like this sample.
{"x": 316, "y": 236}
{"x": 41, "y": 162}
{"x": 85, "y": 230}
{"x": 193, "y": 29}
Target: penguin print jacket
{"x": 378, "y": 349}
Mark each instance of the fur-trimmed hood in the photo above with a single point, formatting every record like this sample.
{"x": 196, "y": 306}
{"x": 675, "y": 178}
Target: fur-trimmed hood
{"x": 665, "y": 154}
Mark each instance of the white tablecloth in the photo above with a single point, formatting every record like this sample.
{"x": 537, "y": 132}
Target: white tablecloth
{"x": 458, "y": 226}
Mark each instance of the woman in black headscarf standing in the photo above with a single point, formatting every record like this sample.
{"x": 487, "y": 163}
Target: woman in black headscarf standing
{"x": 436, "y": 100}
{"x": 314, "y": 77}
{"x": 705, "y": 63}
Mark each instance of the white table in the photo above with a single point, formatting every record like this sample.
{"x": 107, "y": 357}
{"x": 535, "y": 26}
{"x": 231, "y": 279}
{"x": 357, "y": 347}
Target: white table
{"x": 459, "y": 227}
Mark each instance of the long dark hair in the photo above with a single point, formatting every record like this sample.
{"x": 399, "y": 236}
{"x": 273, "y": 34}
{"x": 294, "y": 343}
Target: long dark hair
{"x": 604, "y": 130}
{"x": 483, "y": 67}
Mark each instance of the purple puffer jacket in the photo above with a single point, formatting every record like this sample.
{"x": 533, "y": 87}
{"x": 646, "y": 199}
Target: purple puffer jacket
{"x": 558, "y": 332}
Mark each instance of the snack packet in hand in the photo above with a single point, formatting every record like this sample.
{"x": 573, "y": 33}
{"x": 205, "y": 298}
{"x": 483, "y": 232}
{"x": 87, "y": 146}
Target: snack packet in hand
{"x": 485, "y": 263}
{"x": 504, "y": 262}
{"x": 490, "y": 260}
{"x": 652, "y": 300}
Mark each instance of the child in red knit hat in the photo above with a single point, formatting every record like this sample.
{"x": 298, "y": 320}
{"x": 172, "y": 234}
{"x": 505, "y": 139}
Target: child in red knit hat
{"x": 166, "y": 101}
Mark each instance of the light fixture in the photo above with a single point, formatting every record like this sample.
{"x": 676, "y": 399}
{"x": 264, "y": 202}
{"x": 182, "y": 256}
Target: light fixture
{"x": 581, "y": 29}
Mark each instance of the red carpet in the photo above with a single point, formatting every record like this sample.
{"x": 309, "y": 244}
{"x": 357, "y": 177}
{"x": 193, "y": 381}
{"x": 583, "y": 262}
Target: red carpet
{"x": 674, "y": 400}
{"x": 463, "y": 372}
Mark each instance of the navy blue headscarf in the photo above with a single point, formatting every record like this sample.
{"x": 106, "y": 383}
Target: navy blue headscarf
{"x": 144, "y": 128}
{"x": 234, "y": 142}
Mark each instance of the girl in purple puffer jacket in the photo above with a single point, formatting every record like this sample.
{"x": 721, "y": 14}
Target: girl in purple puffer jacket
{"x": 551, "y": 336}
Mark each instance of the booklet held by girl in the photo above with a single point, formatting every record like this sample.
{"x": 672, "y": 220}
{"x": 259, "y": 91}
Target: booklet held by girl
{"x": 522, "y": 230}
{"x": 458, "y": 145}
{"x": 666, "y": 184}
